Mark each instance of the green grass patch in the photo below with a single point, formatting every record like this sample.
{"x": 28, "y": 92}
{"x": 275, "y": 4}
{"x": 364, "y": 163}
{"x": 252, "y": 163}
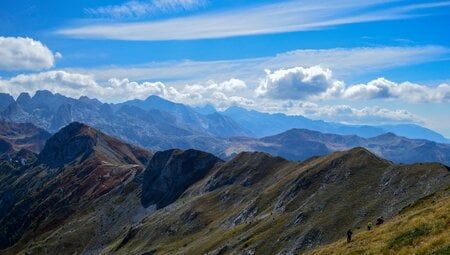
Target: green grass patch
{"x": 441, "y": 251}
{"x": 407, "y": 238}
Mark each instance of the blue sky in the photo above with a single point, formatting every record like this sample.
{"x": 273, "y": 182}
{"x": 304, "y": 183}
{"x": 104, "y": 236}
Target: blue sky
{"x": 376, "y": 62}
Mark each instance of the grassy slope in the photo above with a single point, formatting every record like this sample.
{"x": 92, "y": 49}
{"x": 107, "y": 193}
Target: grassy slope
{"x": 421, "y": 229}
{"x": 271, "y": 230}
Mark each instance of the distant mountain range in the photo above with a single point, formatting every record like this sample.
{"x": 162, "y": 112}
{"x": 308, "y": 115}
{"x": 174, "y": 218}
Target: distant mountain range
{"x": 300, "y": 144}
{"x": 265, "y": 124}
{"x": 89, "y": 193}
{"x": 158, "y": 124}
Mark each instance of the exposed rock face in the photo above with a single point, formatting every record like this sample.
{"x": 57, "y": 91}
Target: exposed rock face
{"x": 62, "y": 117}
{"x": 5, "y": 100}
{"x": 23, "y": 99}
{"x": 171, "y": 172}
{"x": 70, "y": 143}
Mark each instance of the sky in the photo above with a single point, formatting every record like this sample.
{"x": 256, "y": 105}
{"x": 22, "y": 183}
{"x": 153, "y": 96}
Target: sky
{"x": 359, "y": 62}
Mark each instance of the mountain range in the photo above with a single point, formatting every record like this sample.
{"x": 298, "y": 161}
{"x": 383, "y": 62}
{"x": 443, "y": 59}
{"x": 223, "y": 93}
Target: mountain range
{"x": 158, "y": 124}
{"x": 300, "y": 144}
{"x": 89, "y": 193}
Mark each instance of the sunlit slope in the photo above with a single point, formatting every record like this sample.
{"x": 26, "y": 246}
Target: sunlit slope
{"x": 421, "y": 229}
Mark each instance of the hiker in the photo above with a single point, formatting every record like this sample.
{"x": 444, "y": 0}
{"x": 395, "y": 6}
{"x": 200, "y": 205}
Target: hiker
{"x": 349, "y": 235}
{"x": 380, "y": 220}
{"x": 369, "y": 226}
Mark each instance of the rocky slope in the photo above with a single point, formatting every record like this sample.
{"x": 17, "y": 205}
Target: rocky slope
{"x": 76, "y": 166}
{"x": 190, "y": 202}
{"x": 170, "y": 173}
{"x": 19, "y": 143}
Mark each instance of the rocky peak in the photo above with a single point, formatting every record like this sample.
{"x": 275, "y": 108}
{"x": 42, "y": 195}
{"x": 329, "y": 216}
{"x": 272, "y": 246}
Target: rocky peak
{"x": 69, "y": 143}
{"x": 171, "y": 172}
{"x": 24, "y": 98}
{"x": 5, "y": 100}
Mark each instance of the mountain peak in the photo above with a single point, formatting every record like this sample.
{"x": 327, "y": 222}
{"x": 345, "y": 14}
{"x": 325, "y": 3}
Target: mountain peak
{"x": 388, "y": 135}
{"x": 5, "y": 100}
{"x": 42, "y": 94}
{"x": 24, "y": 98}
{"x": 69, "y": 143}
{"x": 359, "y": 151}
{"x": 80, "y": 141}
{"x": 360, "y": 157}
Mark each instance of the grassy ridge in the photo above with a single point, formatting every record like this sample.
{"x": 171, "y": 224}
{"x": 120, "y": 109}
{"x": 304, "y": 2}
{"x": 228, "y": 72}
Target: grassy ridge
{"x": 422, "y": 229}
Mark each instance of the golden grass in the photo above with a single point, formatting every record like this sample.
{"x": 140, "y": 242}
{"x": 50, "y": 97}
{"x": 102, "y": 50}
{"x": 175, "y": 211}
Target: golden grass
{"x": 423, "y": 229}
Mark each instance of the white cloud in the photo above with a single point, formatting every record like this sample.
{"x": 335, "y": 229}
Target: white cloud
{"x": 231, "y": 86}
{"x": 136, "y": 9}
{"x": 18, "y": 53}
{"x": 299, "y": 83}
{"x": 406, "y": 91}
{"x": 348, "y": 114}
{"x": 317, "y": 83}
{"x": 286, "y": 16}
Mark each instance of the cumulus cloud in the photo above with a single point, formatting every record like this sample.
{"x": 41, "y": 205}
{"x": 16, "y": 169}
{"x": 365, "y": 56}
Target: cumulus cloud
{"x": 406, "y": 91}
{"x": 299, "y": 83}
{"x": 317, "y": 83}
{"x": 18, "y": 53}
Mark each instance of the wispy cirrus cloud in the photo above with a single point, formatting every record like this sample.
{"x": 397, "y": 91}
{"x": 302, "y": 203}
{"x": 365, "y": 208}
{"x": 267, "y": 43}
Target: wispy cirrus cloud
{"x": 138, "y": 9}
{"x": 345, "y": 62}
{"x": 287, "y": 16}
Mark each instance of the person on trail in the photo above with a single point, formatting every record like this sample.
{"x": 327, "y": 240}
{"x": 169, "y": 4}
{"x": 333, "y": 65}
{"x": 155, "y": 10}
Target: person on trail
{"x": 369, "y": 226}
{"x": 380, "y": 220}
{"x": 349, "y": 235}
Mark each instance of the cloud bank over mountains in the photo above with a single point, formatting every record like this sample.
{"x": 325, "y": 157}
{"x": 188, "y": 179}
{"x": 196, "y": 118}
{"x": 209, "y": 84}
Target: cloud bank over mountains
{"x": 299, "y": 90}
